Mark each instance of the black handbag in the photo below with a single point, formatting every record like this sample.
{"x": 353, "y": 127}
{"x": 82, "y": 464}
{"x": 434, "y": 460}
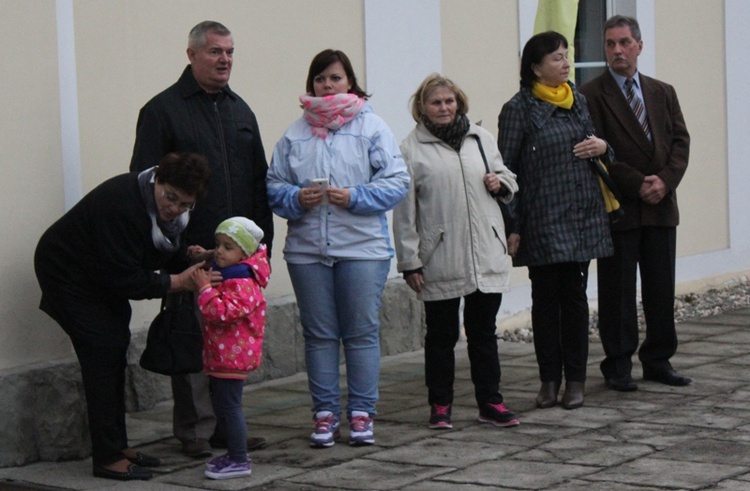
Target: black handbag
{"x": 509, "y": 220}
{"x": 174, "y": 345}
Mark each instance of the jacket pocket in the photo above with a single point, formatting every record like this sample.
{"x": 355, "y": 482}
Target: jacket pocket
{"x": 500, "y": 237}
{"x": 429, "y": 243}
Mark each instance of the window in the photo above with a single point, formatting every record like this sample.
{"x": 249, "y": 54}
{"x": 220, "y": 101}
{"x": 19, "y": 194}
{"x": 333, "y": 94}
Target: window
{"x": 590, "y": 61}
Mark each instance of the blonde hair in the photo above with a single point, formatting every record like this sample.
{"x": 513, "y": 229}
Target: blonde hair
{"x": 429, "y": 84}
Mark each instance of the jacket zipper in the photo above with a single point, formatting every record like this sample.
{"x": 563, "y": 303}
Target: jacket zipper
{"x": 225, "y": 161}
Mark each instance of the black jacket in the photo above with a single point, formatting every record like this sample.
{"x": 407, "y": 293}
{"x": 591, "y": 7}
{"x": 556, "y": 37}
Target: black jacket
{"x": 222, "y": 128}
{"x": 96, "y": 258}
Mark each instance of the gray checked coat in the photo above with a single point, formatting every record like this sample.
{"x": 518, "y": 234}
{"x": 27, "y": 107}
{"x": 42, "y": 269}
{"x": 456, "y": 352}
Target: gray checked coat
{"x": 559, "y": 209}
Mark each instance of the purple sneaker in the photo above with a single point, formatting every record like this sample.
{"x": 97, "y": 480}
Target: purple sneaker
{"x": 217, "y": 461}
{"x": 326, "y": 430}
{"x": 360, "y": 429}
{"x": 227, "y": 469}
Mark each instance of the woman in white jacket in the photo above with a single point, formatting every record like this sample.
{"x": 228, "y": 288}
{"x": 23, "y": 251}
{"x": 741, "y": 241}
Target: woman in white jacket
{"x": 450, "y": 243}
{"x": 334, "y": 174}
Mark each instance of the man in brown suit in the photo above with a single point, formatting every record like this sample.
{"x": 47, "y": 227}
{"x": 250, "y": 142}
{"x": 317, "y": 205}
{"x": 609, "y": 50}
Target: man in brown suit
{"x": 640, "y": 118}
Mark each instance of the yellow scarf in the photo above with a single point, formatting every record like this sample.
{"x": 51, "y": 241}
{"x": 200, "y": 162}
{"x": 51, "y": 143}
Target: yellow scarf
{"x": 561, "y": 96}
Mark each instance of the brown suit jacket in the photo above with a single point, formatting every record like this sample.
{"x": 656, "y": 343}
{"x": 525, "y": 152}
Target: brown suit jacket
{"x": 635, "y": 156}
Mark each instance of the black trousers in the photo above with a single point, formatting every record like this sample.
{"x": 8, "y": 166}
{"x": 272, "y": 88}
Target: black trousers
{"x": 103, "y": 374}
{"x": 480, "y": 313}
{"x": 652, "y": 251}
{"x": 560, "y": 320}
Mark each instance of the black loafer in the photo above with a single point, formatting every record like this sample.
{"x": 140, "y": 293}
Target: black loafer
{"x": 666, "y": 377}
{"x": 134, "y": 473}
{"x": 145, "y": 460}
{"x": 622, "y": 384}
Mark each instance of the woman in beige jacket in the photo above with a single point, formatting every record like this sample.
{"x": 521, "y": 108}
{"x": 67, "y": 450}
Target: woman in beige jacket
{"x": 450, "y": 243}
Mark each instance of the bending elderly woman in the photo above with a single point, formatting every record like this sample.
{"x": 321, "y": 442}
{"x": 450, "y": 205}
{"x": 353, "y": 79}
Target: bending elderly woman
{"x": 92, "y": 261}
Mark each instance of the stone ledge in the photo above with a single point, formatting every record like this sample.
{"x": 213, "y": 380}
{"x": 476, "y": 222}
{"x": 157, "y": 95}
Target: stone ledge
{"x": 43, "y": 410}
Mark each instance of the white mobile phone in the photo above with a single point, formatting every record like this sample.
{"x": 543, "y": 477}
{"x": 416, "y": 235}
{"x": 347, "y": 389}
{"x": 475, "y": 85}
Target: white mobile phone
{"x": 322, "y": 183}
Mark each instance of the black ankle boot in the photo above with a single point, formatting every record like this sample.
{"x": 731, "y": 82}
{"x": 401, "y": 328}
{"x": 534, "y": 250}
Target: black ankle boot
{"x": 547, "y": 396}
{"x": 573, "y": 396}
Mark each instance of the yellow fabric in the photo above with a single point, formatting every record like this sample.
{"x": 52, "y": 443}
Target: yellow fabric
{"x": 562, "y": 95}
{"x": 560, "y": 16}
{"x": 610, "y": 202}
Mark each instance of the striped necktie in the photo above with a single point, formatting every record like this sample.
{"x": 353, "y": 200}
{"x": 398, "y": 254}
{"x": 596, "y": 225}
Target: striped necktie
{"x": 636, "y": 104}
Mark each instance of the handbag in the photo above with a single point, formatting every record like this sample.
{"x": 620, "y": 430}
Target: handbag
{"x": 509, "y": 220}
{"x": 610, "y": 193}
{"x": 174, "y": 345}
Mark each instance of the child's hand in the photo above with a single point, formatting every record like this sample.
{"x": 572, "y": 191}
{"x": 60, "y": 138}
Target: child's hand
{"x": 195, "y": 251}
{"x": 200, "y": 277}
{"x": 197, "y": 254}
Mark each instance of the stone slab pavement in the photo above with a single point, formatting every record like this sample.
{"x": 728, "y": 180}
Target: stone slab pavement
{"x": 657, "y": 438}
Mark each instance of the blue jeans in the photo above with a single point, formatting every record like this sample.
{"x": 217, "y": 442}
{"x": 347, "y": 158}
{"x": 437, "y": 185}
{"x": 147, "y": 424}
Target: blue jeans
{"x": 341, "y": 304}
{"x": 226, "y": 397}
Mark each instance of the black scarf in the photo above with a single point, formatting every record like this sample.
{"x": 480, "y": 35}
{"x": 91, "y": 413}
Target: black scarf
{"x": 166, "y": 235}
{"x": 453, "y": 133}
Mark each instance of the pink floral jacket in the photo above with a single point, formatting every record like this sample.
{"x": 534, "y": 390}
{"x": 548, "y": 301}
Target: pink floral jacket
{"x": 234, "y": 319}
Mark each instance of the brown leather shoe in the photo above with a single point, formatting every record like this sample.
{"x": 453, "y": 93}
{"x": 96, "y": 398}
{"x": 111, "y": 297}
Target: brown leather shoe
{"x": 547, "y": 396}
{"x": 573, "y": 396}
{"x": 197, "y": 449}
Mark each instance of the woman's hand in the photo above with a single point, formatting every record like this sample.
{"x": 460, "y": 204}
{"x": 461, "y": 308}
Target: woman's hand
{"x": 514, "y": 241}
{"x": 590, "y": 147}
{"x": 183, "y": 282}
{"x": 415, "y": 282}
{"x": 492, "y": 183}
{"x": 339, "y": 196}
{"x": 310, "y": 197}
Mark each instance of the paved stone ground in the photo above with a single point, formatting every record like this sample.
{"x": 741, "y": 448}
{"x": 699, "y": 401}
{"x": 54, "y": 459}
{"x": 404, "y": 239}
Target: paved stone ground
{"x": 658, "y": 438}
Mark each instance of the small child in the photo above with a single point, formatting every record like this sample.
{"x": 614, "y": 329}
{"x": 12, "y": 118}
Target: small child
{"x": 234, "y": 316}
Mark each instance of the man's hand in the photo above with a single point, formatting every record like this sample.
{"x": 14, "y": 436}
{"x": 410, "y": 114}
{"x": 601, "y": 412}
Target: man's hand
{"x": 653, "y": 190}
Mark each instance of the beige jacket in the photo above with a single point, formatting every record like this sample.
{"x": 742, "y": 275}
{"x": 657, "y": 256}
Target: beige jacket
{"x": 449, "y": 224}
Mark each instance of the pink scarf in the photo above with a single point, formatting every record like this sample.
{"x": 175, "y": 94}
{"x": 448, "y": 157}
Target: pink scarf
{"x": 330, "y": 112}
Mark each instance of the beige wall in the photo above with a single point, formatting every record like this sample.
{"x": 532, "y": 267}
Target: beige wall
{"x": 481, "y": 54}
{"x": 128, "y": 50}
{"x": 695, "y": 64}
{"x": 31, "y": 191}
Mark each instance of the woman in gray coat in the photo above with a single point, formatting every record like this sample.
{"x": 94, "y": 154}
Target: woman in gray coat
{"x": 546, "y": 138}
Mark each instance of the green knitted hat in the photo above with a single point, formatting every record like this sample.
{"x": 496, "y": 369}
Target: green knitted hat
{"x": 243, "y": 231}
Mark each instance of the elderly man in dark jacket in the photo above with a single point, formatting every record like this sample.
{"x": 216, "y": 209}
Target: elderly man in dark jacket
{"x": 201, "y": 114}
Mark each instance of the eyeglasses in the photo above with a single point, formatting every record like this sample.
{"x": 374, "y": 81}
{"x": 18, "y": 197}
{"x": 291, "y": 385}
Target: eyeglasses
{"x": 174, "y": 200}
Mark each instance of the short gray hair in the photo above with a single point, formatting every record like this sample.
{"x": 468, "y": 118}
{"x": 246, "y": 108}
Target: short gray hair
{"x": 624, "y": 21}
{"x": 197, "y": 36}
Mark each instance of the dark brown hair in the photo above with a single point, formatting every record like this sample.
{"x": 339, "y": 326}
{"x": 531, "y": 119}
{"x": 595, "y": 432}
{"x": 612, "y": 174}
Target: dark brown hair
{"x": 188, "y": 172}
{"x": 326, "y": 58}
{"x": 536, "y": 48}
